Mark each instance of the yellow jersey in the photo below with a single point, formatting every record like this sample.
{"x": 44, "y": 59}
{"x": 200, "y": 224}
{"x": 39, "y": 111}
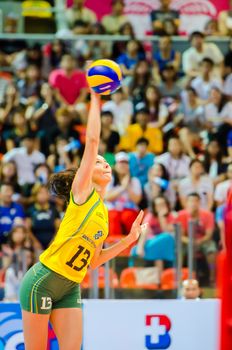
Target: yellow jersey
{"x": 83, "y": 228}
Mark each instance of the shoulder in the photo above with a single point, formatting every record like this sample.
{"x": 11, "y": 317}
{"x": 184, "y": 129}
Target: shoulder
{"x": 206, "y": 214}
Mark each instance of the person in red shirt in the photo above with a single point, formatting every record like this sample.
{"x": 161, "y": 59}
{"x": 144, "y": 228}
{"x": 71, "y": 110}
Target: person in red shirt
{"x": 69, "y": 83}
{"x": 203, "y": 230}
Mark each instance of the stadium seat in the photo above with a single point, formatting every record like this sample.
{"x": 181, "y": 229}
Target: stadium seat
{"x": 128, "y": 279}
{"x": 168, "y": 278}
{"x": 87, "y": 282}
{"x": 35, "y": 8}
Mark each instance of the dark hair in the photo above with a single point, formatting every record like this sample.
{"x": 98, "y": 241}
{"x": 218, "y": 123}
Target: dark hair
{"x": 191, "y": 89}
{"x": 165, "y": 174}
{"x": 196, "y": 33}
{"x": 166, "y": 201}
{"x": 7, "y": 184}
{"x": 142, "y": 140}
{"x": 107, "y": 113}
{"x": 193, "y": 161}
{"x": 224, "y": 99}
{"x": 207, "y": 157}
{"x": 60, "y": 184}
{"x": 208, "y": 60}
{"x": 157, "y": 102}
{"x": 135, "y": 79}
{"x": 194, "y": 194}
{"x": 12, "y": 231}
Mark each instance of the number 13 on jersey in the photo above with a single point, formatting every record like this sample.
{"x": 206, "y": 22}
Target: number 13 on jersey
{"x": 80, "y": 259}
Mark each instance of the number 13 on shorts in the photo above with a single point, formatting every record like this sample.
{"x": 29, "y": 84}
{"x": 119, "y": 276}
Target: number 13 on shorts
{"x": 46, "y": 303}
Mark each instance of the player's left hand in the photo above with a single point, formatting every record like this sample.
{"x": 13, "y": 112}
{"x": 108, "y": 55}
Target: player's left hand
{"x": 137, "y": 228}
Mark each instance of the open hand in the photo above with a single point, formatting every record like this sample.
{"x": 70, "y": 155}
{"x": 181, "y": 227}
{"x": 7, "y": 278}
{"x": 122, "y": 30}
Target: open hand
{"x": 137, "y": 228}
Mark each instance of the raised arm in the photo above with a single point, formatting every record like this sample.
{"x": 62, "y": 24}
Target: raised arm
{"x": 82, "y": 183}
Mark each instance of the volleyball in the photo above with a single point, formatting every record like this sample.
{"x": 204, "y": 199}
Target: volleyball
{"x": 104, "y": 76}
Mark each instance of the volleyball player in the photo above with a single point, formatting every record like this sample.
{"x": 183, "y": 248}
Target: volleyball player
{"x": 50, "y": 290}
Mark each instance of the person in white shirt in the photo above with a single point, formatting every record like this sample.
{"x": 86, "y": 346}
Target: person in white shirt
{"x": 175, "y": 161}
{"x": 200, "y": 49}
{"x": 199, "y": 183}
{"x": 121, "y": 109}
{"x": 222, "y": 188}
{"x": 26, "y": 159}
{"x": 205, "y": 81}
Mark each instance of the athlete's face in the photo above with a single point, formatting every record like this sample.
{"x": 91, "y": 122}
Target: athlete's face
{"x": 102, "y": 172}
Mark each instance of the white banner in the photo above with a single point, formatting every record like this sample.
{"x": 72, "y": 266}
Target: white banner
{"x": 151, "y": 324}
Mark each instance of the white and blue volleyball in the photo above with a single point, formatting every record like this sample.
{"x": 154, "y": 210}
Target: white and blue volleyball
{"x": 104, "y": 76}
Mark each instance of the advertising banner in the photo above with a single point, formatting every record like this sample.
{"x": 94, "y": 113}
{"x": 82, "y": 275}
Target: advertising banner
{"x": 130, "y": 325}
{"x": 194, "y": 13}
{"x": 151, "y": 324}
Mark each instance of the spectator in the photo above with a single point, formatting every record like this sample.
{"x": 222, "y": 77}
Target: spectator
{"x": 119, "y": 47}
{"x": 8, "y": 175}
{"x": 42, "y": 217}
{"x": 190, "y": 290}
{"x": 99, "y": 48}
{"x": 203, "y": 229}
{"x": 64, "y": 155}
{"x": 169, "y": 87}
{"x": 169, "y": 27}
{"x": 225, "y": 21}
{"x": 211, "y": 28}
{"x": 79, "y": 12}
{"x": 157, "y": 243}
{"x": 193, "y": 120}
{"x": 158, "y": 183}
{"x": 153, "y": 103}
{"x": 108, "y": 134}
{"x": 52, "y": 55}
{"x": 200, "y": 49}
{"x": 164, "y": 13}
{"x": 141, "y": 161}
{"x": 113, "y": 22}
{"x": 142, "y": 129}
{"x": 213, "y": 161}
{"x": 141, "y": 79}
{"x": 43, "y": 111}
{"x": 29, "y": 87}
{"x": 175, "y": 161}
{"x": 128, "y": 60}
{"x": 25, "y": 158}
{"x": 223, "y": 187}
{"x": 20, "y": 128}
{"x": 121, "y": 109}
{"x": 218, "y": 115}
{"x": 42, "y": 173}
{"x": 205, "y": 81}
{"x": 10, "y": 211}
{"x": 123, "y": 196}
{"x": 15, "y": 272}
{"x": 199, "y": 183}
{"x": 69, "y": 83}
{"x": 227, "y": 74}
{"x": 166, "y": 55}
{"x": 11, "y": 102}
{"x": 64, "y": 128}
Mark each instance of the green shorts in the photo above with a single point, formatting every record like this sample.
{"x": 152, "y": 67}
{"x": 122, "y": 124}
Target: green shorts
{"x": 43, "y": 290}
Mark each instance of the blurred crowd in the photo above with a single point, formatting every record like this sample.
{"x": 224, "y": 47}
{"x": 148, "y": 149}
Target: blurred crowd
{"x": 167, "y": 133}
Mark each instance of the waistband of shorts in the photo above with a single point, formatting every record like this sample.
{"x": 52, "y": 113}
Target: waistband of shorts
{"x": 55, "y": 273}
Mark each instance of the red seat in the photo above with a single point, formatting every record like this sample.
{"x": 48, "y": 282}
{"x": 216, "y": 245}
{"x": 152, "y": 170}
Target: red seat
{"x": 128, "y": 280}
{"x": 168, "y": 278}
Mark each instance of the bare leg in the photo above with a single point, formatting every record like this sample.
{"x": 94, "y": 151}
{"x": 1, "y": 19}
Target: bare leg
{"x": 67, "y": 324}
{"x": 160, "y": 265}
{"x": 35, "y": 328}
